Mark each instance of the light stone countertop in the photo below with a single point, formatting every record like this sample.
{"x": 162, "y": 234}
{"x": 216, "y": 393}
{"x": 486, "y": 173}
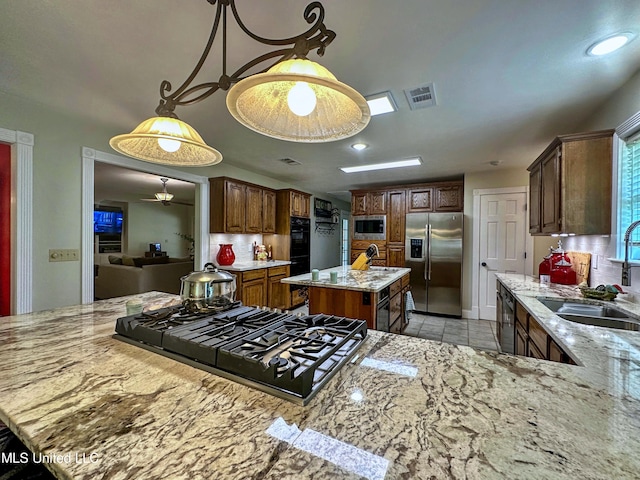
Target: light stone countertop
{"x": 402, "y": 408}
{"x": 372, "y": 280}
{"x": 252, "y": 265}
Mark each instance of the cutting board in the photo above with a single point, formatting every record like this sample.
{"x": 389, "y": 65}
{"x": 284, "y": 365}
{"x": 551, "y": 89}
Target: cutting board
{"x": 581, "y": 262}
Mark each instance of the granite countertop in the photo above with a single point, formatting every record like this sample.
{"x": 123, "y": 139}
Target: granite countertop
{"x": 402, "y": 408}
{"x": 372, "y": 280}
{"x": 252, "y": 265}
{"x": 603, "y": 352}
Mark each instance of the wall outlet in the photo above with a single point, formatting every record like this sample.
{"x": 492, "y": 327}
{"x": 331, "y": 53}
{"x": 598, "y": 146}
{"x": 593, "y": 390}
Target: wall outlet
{"x": 64, "y": 255}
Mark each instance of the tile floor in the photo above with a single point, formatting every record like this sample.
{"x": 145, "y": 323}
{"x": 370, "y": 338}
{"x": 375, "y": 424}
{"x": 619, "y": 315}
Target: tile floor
{"x": 474, "y": 333}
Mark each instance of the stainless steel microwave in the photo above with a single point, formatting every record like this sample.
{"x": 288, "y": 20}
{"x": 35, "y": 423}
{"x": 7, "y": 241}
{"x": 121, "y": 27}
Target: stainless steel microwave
{"x": 370, "y": 227}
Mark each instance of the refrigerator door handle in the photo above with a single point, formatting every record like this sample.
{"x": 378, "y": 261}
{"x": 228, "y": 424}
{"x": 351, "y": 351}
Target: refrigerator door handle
{"x": 428, "y": 266}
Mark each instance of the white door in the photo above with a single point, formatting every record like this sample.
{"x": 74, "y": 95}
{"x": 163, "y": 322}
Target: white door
{"x": 502, "y": 244}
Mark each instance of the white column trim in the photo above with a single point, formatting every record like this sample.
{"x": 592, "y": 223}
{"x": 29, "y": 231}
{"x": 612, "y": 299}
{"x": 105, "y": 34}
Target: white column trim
{"x": 22, "y": 218}
{"x": 201, "y": 234}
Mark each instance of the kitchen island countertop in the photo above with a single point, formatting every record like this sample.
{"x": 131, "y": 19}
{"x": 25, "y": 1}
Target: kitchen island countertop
{"x": 402, "y": 408}
{"x": 372, "y": 280}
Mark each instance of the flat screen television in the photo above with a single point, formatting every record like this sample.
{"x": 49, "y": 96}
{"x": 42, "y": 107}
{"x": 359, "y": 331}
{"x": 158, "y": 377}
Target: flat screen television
{"x": 108, "y": 222}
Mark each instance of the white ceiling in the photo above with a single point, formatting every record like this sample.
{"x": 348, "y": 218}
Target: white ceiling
{"x": 509, "y": 75}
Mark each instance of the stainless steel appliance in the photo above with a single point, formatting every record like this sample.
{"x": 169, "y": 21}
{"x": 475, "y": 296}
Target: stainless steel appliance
{"x": 370, "y": 227}
{"x": 383, "y": 311}
{"x": 285, "y": 355}
{"x": 433, "y": 252}
{"x": 506, "y": 321}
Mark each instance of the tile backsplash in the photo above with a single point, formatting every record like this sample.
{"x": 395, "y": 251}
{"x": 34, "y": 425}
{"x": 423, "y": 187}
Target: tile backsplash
{"x": 603, "y": 270}
{"x": 241, "y": 245}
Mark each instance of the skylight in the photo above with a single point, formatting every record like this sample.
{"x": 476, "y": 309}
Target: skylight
{"x": 381, "y": 103}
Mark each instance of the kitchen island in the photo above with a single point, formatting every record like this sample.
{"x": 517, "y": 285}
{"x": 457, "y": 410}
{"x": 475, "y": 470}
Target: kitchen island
{"x": 375, "y": 295}
{"x": 403, "y": 408}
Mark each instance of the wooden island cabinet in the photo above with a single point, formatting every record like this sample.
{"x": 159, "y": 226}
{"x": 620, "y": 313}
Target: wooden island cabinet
{"x": 261, "y": 286}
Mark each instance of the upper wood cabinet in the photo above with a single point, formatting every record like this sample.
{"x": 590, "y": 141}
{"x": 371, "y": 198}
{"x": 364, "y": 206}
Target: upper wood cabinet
{"x": 369, "y": 203}
{"x": 449, "y": 198}
{"x": 570, "y": 186}
{"x": 294, "y": 203}
{"x": 396, "y": 216}
{"x": 240, "y": 207}
{"x": 420, "y": 199}
{"x": 268, "y": 211}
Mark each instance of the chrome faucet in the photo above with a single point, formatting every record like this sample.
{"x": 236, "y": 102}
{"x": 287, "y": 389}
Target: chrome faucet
{"x": 626, "y": 281}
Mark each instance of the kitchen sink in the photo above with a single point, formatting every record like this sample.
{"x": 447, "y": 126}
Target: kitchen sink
{"x": 592, "y": 314}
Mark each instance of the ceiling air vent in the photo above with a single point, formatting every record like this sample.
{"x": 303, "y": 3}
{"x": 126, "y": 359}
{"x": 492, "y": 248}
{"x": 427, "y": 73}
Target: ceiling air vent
{"x": 421, "y": 97}
{"x": 290, "y": 161}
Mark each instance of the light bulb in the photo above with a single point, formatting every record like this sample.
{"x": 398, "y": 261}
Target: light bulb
{"x": 301, "y": 99}
{"x": 169, "y": 145}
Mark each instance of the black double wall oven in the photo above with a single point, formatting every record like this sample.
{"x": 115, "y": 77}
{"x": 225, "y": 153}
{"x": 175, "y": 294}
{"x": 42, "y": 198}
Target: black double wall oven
{"x": 300, "y": 246}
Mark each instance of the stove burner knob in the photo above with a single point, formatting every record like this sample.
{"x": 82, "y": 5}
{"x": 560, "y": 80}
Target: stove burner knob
{"x": 278, "y": 362}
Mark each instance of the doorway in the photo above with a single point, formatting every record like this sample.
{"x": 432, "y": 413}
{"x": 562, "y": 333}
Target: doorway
{"x": 500, "y": 234}
{"x": 5, "y": 229}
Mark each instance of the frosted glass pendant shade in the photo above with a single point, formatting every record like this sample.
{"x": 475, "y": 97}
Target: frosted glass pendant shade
{"x": 263, "y": 103}
{"x": 167, "y": 141}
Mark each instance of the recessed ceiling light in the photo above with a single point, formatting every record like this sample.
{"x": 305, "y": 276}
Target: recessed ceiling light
{"x": 359, "y": 146}
{"x": 381, "y": 103}
{"x": 381, "y": 166}
{"x": 610, "y": 44}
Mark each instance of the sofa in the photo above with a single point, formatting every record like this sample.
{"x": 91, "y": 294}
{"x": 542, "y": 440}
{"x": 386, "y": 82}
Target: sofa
{"x": 116, "y": 280}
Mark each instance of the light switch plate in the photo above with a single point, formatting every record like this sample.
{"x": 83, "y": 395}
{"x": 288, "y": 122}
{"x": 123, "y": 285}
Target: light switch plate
{"x": 64, "y": 255}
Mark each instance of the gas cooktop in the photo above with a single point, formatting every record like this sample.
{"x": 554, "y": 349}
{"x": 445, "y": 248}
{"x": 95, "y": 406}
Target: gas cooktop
{"x": 283, "y": 354}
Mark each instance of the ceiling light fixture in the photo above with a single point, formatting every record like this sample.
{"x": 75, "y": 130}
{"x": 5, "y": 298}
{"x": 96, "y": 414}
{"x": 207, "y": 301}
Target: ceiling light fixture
{"x": 292, "y": 99}
{"x": 610, "y": 44}
{"x": 359, "y": 146}
{"x": 381, "y": 103}
{"x": 164, "y": 196}
{"x": 411, "y": 162}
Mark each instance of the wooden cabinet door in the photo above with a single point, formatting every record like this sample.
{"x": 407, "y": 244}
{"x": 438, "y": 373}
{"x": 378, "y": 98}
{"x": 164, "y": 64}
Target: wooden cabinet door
{"x": 555, "y": 352}
{"x": 253, "y": 209}
{"x": 254, "y": 293}
{"x": 550, "y": 192}
{"x": 420, "y": 200}
{"x": 377, "y": 203}
{"x": 359, "y": 204}
{"x": 234, "y": 207}
{"x": 268, "y": 211}
{"x": 521, "y": 342}
{"x": 278, "y": 294}
{"x": 306, "y": 206}
{"x": 449, "y": 198}
{"x": 396, "y": 217}
{"x": 395, "y": 256}
{"x": 535, "y": 181}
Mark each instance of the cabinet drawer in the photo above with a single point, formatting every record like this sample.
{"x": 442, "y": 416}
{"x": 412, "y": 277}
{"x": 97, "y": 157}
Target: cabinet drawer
{"x": 395, "y": 287}
{"x": 364, "y": 244}
{"x": 283, "y": 270}
{"x": 521, "y": 316}
{"x": 538, "y": 335}
{"x": 405, "y": 280}
{"x": 258, "y": 274}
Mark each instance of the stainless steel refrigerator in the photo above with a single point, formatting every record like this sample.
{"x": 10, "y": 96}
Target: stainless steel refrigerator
{"x": 433, "y": 252}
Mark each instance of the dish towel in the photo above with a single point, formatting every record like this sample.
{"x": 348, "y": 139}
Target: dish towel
{"x": 408, "y": 305}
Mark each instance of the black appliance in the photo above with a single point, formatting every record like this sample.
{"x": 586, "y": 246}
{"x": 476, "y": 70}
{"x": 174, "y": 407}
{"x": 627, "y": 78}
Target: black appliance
{"x": 506, "y": 321}
{"x": 285, "y": 355}
{"x": 383, "y": 311}
{"x": 300, "y": 252}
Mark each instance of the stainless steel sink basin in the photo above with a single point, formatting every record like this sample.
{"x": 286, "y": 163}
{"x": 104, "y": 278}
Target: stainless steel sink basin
{"x": 575, "y": 308}
{"x": 592, "y": 314}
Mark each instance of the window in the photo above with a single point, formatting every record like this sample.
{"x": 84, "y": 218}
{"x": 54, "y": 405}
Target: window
{"x": 345, "y": 241}
{"x": 629, "y": 189}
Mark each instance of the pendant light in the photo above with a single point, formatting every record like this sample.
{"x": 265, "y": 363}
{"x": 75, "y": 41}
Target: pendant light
{"x": 292, "y": 99}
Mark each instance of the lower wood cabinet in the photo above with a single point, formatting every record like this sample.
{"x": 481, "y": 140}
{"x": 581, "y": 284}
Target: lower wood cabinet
{"x": 532, "y": 340}
{"x": 261, "y": 287}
